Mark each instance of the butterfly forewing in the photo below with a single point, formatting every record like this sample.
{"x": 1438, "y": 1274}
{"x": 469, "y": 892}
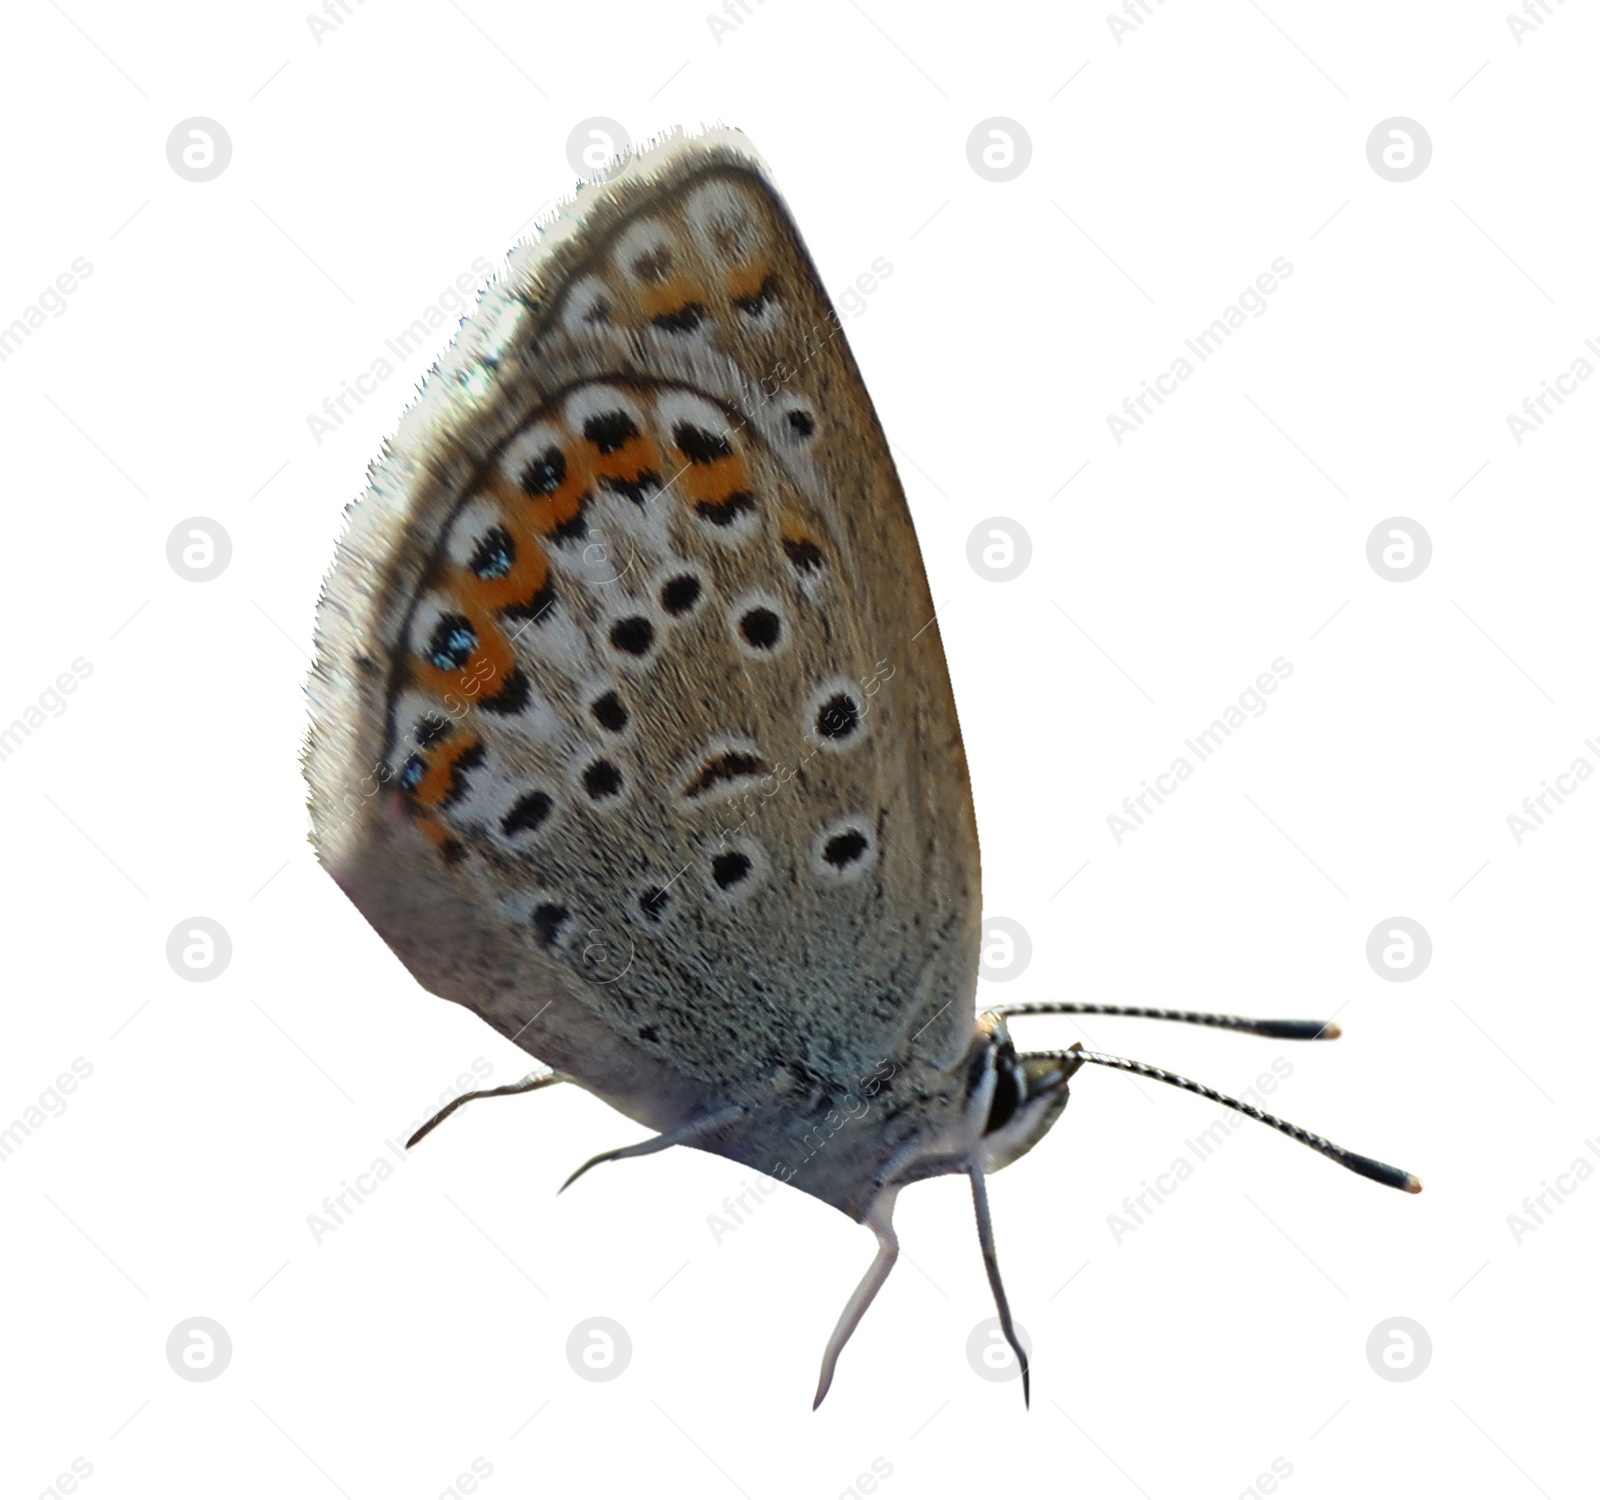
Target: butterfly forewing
{"x": 642, "y": 664}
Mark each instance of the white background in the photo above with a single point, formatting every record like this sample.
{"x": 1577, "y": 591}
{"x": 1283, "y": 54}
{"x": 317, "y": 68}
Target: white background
{"x": 1226, "y": 1331}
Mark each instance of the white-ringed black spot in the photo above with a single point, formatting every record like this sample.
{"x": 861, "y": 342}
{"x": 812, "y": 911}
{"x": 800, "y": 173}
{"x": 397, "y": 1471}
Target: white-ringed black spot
{"x": 602, "y": 780}
{"x": 653, "y": 265}
{"x": 844, "y": 850}
{"x": 633, "y": 635}
{"x": 730, "y": 868}
{"x": 800, "y": 423}
{"x": 838, "y": 718}
{"x": 610, "y": 430}
{"x": 528, "y": 814}
{"x": 548, "y": 920}
{"x": 761, "y": 628}
{"x": 680, "y": 594}
{"x": 716, "y": 772}
{"x": 609, "y": 711}
{"x": 653, "y": 903}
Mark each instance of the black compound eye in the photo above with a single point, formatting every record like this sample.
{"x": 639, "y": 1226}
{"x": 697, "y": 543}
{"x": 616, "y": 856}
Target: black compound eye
{"x": 544, "y": 475}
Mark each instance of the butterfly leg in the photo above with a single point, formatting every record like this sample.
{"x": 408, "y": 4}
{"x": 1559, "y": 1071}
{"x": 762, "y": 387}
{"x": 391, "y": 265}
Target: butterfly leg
{"x": 540, "y": 1078}
{"x": 879, "y": 1222}
{"x": 991, "y": 1264}
{"x": 683, "y": 1135}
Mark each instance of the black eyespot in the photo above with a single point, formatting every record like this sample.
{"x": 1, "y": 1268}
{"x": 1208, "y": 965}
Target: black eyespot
{"x": 648, "y": 1034}
{"x": 680, "y": 594}
{"x": 653, "y": 903}
{"x": 718, "y": 770}
{"x": 412, "y": 772}
{"x": 804, "y": 554}
{"x": 633, "y": 634}
{"x": 683, "y": 319}
{"x": 601, "y": 780}
{"x": 839, "y": 717}
{"x": 548, "y": 919}
{"x": 609, "y": 712}
{"x": 730, "y": 869}
{"x": 752, "y": 305}
{"x": 699, "y": 446}
{"x": 610, "y": 430}
{"x": 495, "y": 553}
{"x": 544, "y": 474}
{"x": 643, "y": 487}
{"x": 528, "y": 813}
{"x": 452, "y": 643}
{"x": 761, "y": 627}
{"x": 801, "y": 423}
{"x": 844, "y": 849}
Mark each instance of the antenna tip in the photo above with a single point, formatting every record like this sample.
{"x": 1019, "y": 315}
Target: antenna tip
{"x": 1413, "y": 1183}
{"x": 1332, "y": 1031}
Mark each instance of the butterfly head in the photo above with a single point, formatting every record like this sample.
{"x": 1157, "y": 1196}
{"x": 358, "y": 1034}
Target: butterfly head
{"x": 1012, "y": 1101}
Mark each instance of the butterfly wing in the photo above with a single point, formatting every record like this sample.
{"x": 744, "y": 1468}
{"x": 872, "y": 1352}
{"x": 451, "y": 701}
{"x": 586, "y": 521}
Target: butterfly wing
{"x": 632, "y": 729}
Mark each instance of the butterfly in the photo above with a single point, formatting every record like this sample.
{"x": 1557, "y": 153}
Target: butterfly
{"x": 632, "y": 730}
